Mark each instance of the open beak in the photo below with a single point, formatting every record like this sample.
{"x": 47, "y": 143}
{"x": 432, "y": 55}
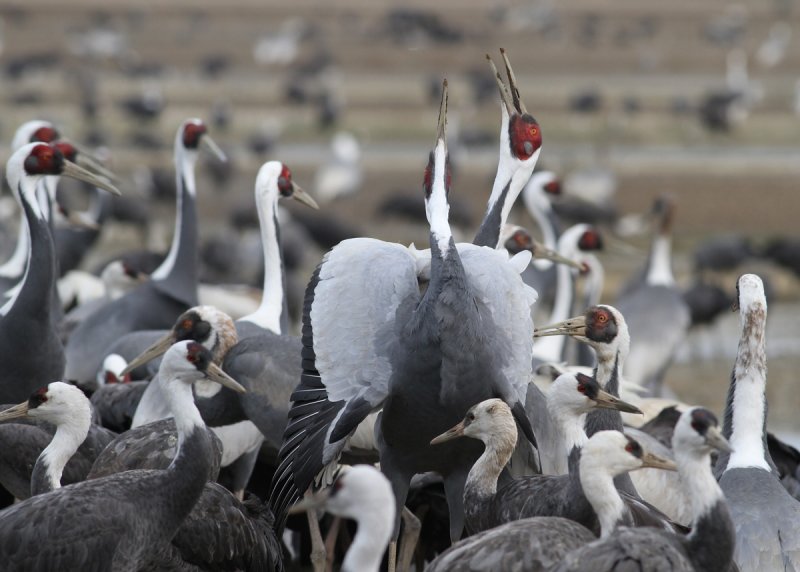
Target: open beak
{"x": 215, "y": 373}
{"x": 653, "y": 461}
{"x": 605, "y": 400}
{"x": 572, "y": 327}
{"x": 211, "y": 146}
{"x": 715, "y": 439}
{"x": 300, "y": 195}
{"x": 539, "y": 250}
{"x": 76, "y": 172}
{"x": 442, "y": 126}
{"x": 311, "y": 502}
{"x": 504, "y": 95}
{"x": 450, "y": 434}
{"x": 512, "y": 84}
{"x": 15, "y": 412}
{"x": 157, "y": 349}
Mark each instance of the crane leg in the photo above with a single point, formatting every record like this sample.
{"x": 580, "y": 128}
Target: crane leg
{"x": 330, "y": 543}
{"x": 392, "y": 556}
{"x": 408, "y": 541}
{"x": 317, "y": 546}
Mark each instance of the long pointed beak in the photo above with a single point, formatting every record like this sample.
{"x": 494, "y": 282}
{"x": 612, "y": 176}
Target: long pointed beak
{"x": 441, "y": 130}
{"x": 653, "y": 461}
{"x": 715, "y": 439}
{"x": 299, "y": 194}
{"x": 92, "y": 162}
{"x": 211, "y": 146}
{"x": 215, "y": 373}
{"x": 539, "y": 250}
{"x": 572, "y": 327}
{"x": 74, "y": 171}
{"x": 504, "y": 95}
{"x": 450, "y": 434}
{"x": 311, "y": 502}
{"x": 605, "y": 400}
{"x": 512, "y": 83}
{"x": 15, "y": 412}
{"x": 157, "y": 349}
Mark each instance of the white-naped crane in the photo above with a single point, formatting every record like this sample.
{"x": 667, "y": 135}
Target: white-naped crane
{"x": 173, "y": 285}
{"x": 32, "y": 351}
{"x": 372, "y": 340}
{"x": 520, "y": 147}
{"x": 124, "y": 521}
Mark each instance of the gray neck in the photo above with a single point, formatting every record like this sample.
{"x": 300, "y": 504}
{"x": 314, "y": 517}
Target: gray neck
{"x": 489, "y": 232}
{"x": 177, "y": 275}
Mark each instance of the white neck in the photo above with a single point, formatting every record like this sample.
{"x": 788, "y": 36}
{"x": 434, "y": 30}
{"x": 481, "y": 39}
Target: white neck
{"x": 598, "y": 486}
{"x": 268, "y": 315}
{"x": 572, "y": 429}
{"x": 16, "y": 264}
{"x": 550, "y": 348}
{"x": 178, "y": 395}
{"x": 484, "y": 473}
{"x": 659, "y": 273}
{"x": 27, "y": 188}
{"x": 184, "y": 173}
{"x": 593, "y": 282}
{"x": 750, "y": 373}
{"x": 699, "y": 481}
{"x": 436, "y": 205}
{"x": 68, "y": 437}
{"x": 605, "y": 367}
{"x": 538, "y": 207}
{"x": 374, "y": 530}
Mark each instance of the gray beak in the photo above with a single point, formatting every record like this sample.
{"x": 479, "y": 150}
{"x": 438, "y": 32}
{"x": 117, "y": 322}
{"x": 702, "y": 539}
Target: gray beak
{"x": 572, "y": 327}
{"x": 605, "y": 400}
{"x": 215, "y": 373}
{"x": 311, "y": 502}
{"x": 653, "y": 461}
{"x": 210, "y": 145}
{"x": 715, "y": 439}
{"x": 450, "y": 434}
{"x": 73, "y": 171}
{"x": 15, "y": 412}
{"x": 300, "y": 195}
{"x": 539, "y": 250}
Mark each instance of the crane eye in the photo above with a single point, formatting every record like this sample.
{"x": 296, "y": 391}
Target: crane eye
{"x": 602, "y": 318}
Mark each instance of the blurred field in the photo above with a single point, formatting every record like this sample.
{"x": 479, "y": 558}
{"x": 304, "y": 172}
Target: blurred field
{"x": 654, "y": 54}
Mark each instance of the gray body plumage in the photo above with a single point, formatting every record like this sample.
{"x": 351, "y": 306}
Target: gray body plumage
{"x": 114, "y": 523}
{"x": 529, "y": 545}
{"x": 115, "y": 403}
{"x": 152, "y": 305}
{"x": 32, "y": 354}
{"x": 658, "y": 320}
{"x": 549, "y": 495}
{"x": 766, "y": 518}
{"x": 150, "y": 446}
{"x": 23, "y": 441}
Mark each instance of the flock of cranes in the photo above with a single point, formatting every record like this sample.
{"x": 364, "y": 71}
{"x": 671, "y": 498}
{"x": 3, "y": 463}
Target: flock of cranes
{"x": 556, "y": 446}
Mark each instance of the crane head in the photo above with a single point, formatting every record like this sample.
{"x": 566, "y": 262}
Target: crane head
{"x": 441, "y": 145}
{"x": 195, "y": 134}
